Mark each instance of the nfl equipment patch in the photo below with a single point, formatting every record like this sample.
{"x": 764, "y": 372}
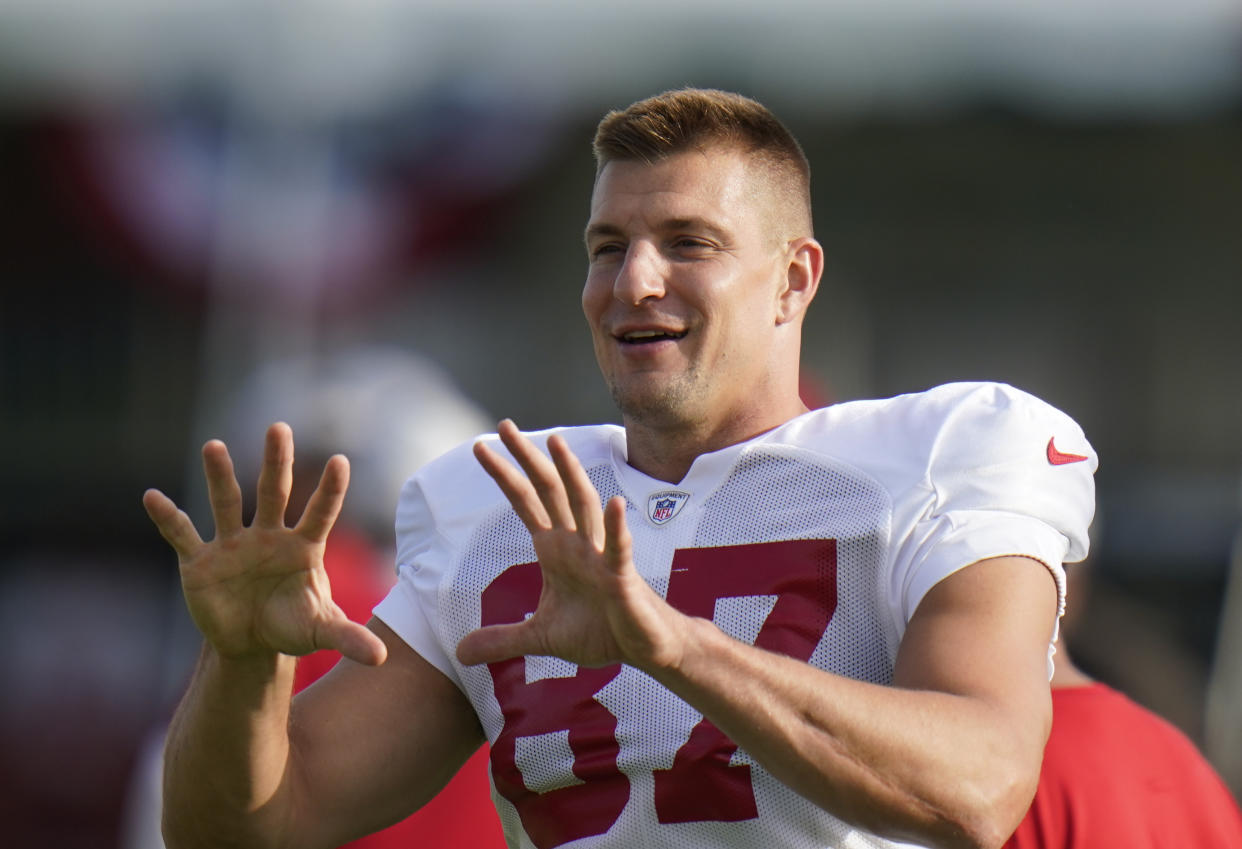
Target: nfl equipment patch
{"x": 662, "y": 506}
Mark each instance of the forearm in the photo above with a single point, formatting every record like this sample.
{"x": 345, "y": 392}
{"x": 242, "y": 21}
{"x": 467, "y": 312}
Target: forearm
{"x": 225, "y": 773}
{"x": 915, "y": 764}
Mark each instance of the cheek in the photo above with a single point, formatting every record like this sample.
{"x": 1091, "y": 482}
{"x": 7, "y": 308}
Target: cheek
{"x": 747, "y": 303}
{"x": 747, "y": 327}
{"x": 595, "y": 295}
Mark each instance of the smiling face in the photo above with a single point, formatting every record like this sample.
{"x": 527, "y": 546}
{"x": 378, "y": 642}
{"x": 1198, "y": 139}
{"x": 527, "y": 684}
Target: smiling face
{"x": 688, "y": 293}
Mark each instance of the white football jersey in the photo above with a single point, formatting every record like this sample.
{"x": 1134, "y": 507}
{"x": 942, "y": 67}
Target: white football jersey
{"x": 817, "y": 539}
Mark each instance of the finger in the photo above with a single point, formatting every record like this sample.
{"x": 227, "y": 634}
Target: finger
{"x": 582, "y": 495}
{"x": 618, "y": 544}
{"x": 275, "y": 477}
{"x": 516, "y": 487}
{"x": 495, "y": 643}
{"x": 354, "y": 641}
{"x": 223, "y": 492}
{"x": 541, "y": 471}
{"x": 173, "y": 524}
{"x": 325, "y": 502}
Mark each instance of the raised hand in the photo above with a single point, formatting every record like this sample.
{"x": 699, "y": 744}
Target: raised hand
{"x": 263, "y": 589}
{"x": 594, "y": 608}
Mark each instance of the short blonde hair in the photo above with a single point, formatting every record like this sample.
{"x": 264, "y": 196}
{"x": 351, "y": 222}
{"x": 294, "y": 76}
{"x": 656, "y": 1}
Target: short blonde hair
{"x": 688, "y": 119}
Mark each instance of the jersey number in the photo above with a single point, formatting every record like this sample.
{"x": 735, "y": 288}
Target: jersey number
{"x": 701, "y": 784}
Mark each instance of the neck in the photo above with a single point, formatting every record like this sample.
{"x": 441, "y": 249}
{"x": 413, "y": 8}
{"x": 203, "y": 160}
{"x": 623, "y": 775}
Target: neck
{"x": 666, "y": 450}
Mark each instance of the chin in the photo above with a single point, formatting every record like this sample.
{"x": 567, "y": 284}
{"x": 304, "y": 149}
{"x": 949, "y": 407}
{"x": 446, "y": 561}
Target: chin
{"x": 665, "y": 402}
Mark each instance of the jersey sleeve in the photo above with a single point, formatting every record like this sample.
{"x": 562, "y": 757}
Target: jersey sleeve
{"x": 1007, "y": 474}
{"x": 422, "y": 556}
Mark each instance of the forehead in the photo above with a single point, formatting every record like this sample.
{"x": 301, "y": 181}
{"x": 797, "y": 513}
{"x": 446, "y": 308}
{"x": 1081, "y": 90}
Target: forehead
{"x": 715, "y": 184}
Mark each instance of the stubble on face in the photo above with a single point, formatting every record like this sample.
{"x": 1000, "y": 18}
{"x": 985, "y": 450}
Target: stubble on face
{"x": 664, "y": 401}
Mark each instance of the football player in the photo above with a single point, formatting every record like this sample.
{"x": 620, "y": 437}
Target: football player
{"x": 730, "y": 621}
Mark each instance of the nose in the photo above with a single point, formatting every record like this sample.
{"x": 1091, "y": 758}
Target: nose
{"x": 641, "y": 275}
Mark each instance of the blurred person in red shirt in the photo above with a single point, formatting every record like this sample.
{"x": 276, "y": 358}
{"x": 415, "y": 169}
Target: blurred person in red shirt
{"x": 390, "y": 412}
{"x": 1118, "y": 774}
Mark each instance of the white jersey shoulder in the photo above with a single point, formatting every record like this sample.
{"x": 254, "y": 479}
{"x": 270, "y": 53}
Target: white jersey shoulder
{"x": 994, "y": 471}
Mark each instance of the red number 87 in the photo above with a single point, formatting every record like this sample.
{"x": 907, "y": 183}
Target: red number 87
{"x": 701, "y": 785}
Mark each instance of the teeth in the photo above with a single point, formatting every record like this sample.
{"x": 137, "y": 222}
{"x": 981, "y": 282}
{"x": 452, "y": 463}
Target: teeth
{"x": 637, "y": 335}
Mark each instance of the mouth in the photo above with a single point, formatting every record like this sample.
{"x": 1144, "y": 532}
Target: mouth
{"x": 649, "y": 337}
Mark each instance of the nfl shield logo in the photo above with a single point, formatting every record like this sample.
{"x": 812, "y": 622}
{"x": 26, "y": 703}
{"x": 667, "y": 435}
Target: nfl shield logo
{"x": 664, "y": 505}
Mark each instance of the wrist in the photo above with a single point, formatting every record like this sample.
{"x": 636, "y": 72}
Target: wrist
{"x": 257, "y": 667}
{"x": 684, "y": 640}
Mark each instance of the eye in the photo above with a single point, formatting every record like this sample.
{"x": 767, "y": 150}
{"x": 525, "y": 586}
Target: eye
{"x": 605, "y": 249}
{"x": 692, "y": 245}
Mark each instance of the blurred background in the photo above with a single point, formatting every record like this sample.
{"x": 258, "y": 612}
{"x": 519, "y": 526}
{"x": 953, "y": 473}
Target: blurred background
{"x": 366, "y": 218}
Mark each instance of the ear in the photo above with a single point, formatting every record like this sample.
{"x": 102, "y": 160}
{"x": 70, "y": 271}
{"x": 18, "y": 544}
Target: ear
{"x": 805, "y": 265}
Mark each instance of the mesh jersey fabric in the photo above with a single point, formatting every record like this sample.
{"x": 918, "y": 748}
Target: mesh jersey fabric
{"x": 1116, "y": 774}
{"x": 816, "y": 539}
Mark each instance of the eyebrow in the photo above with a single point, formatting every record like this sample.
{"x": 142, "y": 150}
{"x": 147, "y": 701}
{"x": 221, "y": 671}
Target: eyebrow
{"x": 597, "y": 231}
{"x": 604, "y": 229}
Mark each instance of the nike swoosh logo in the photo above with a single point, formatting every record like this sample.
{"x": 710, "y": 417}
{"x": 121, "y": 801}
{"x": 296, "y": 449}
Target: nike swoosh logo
{"x": 1060, "y": 458}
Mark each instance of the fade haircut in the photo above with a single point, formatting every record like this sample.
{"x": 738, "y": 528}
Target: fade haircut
{"x": 695, "y": 119}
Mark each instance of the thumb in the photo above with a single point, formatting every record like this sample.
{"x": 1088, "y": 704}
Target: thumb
{"x": 494, "y": 644}
{"x": 354, "y": 641}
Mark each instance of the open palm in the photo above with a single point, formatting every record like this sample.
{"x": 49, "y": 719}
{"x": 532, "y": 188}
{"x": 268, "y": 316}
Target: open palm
{"x": 594, "y": 608}
{"x": 262, "y": 588}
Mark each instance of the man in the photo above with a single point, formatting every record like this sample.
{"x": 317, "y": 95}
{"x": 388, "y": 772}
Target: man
{"x": 731, "y": 622}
